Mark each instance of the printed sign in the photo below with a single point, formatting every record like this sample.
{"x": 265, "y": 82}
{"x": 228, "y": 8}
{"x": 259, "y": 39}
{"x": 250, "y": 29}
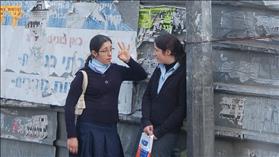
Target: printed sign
{"x": 42, "y": 49}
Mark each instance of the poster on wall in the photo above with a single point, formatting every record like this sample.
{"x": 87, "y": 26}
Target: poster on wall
{"x": 153, "y": 20}
{"x": 44, "y": 43}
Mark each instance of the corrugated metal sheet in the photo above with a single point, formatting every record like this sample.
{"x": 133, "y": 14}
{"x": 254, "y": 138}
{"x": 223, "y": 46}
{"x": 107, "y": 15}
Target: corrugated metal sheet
{"x": 246, "y": 78}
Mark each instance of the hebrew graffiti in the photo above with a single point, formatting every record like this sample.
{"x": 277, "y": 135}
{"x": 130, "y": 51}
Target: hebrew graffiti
{"x": 52, "y": 45}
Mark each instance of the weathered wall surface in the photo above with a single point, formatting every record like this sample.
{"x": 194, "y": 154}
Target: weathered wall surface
{"x": 27, "y": 130}
{"x": 35, "y": 97}
{"x": 245, "y": 60}
{"x": 246, "y": 78}
{"x": 54, "y": 43}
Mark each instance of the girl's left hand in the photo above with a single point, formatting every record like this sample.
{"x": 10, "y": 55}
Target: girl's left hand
{"x": 124, "y": 53}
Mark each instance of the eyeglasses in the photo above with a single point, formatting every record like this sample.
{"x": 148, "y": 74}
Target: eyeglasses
{"x": 106, "y": 51}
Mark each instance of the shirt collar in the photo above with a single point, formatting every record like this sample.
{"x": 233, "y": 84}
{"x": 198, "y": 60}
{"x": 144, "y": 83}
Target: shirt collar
{"x": 163, "y": 69}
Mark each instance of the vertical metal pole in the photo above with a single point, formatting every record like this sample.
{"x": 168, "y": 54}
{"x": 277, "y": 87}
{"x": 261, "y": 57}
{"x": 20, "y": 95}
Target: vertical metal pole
{"x": 200, "y": 107}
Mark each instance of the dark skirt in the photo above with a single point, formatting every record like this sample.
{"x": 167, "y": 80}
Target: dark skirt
{"x": 98, "y": 140}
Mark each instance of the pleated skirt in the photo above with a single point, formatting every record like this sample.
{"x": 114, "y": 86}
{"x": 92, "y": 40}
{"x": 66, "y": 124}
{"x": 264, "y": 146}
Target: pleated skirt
{"x": 98, "y": 140}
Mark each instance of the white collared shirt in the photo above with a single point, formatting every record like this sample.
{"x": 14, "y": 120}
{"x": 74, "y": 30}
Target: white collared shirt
{"x": 165, "y": 74}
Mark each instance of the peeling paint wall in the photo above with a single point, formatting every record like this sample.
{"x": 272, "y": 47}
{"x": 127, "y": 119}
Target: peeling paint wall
{"x": 233, "y": 148}
{"x": 245, "y": 62}
{"x": 246, "y": 67}
{"x": 262, "y": 115}
{"x": 29, "y": 126}
{"x": 232, "y": 110}
{"x": 246, "y": 78}
{"x": 53, "y": 46}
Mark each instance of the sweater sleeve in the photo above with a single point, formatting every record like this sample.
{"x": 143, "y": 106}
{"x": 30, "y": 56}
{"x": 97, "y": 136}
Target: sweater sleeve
{"x": 176, "y": 118}
{"x": 134, "y": 72}
{"x": 71, "y": 100}
{"x": 146, "y": 103}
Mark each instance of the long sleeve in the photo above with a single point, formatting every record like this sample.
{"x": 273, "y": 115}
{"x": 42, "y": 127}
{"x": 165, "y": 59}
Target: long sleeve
{"x": 134, "y": 72}
{"x": 175, "y": 119}
{"x": 146, "y": 104}
{"x": 72, "y": 98}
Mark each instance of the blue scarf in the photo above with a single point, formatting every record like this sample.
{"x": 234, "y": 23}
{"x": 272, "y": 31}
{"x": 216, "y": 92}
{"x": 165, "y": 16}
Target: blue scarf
{"x": 97, "y": 66}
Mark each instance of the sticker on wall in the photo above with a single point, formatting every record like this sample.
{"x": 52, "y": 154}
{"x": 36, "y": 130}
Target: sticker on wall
{"x": 15, "y": 13}
{"x": 233, "y": 110}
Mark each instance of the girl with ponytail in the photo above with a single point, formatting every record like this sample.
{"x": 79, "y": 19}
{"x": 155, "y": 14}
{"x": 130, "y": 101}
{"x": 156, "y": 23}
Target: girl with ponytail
{"x": 95, "y": 132}
{"x": 164, "y": 101}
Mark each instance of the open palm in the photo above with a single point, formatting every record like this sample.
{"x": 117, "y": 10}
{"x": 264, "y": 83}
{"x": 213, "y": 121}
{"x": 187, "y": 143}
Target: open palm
{"x": 124, "y": 53}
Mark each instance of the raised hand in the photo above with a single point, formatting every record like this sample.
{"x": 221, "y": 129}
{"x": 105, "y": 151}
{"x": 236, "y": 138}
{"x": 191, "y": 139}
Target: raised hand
{"x": 124, "y": 53}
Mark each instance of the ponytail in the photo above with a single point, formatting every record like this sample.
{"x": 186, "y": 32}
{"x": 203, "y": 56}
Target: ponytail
{"x": 87, "y": 60}
{"x": 168, "y": 41}
{"x": 181, "y": 57}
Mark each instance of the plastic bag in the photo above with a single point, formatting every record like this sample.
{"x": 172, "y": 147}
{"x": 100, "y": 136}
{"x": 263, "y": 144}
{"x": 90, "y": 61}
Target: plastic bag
{"x": 145, "y": 145}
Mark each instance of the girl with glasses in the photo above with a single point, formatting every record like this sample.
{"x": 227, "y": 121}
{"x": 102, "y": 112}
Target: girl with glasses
{"x": 95, "y": 133}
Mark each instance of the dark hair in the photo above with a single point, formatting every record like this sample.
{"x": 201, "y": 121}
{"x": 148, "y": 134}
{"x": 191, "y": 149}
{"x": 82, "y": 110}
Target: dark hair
{"x": 95, "y": 44}
{"x": 168, "y": 41}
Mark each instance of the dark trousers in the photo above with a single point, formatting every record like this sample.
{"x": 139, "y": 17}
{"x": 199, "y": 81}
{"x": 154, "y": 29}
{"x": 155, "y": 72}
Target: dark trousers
{"x": 164, "y": 146}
